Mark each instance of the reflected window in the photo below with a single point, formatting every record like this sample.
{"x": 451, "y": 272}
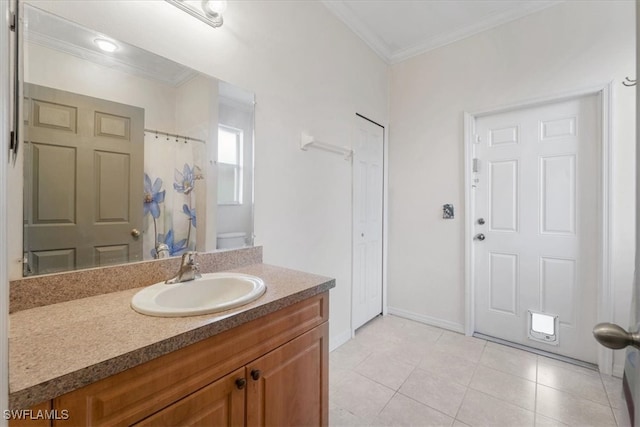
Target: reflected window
{"x": 229, "y": 165}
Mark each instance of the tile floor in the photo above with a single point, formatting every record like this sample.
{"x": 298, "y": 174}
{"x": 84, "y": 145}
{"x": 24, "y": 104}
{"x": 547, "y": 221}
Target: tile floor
{"x": 400, "y": 372}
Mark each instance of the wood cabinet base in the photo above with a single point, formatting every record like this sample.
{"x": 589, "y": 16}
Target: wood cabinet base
{"x": 271, "y": 371}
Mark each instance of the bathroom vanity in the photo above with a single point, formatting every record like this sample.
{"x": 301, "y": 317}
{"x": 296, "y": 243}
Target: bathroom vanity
{"x": 96, "y": 362}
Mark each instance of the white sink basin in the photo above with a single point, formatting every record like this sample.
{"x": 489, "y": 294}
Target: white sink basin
{"x": 211, "y": 293}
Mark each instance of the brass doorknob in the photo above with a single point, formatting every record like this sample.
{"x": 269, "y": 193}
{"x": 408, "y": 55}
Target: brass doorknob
{"x": 135, "y": 233}
{"x": 613, "y": 336}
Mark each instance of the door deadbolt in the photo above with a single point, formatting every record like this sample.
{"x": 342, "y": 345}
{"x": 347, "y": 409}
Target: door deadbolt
{"x": 479, "y": 237}
{"x": 481, "y": 221}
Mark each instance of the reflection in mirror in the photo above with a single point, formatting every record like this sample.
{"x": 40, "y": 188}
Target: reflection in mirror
{"x": 120, "y": 150}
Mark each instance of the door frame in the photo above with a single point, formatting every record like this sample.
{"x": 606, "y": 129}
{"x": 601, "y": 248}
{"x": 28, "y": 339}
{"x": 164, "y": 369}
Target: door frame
{"x": 604, "y": 291}
{"x": 385, "y": 181}
{"x": 6, "y": 113}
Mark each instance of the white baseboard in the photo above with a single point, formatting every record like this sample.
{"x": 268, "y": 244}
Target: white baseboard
{"x": 618, "y": 370}
{"x": 336, "y": 341}
{"x": 427, "y": 320}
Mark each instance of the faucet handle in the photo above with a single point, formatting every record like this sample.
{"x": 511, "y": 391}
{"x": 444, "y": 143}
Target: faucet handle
{"x": 189, "y": 258}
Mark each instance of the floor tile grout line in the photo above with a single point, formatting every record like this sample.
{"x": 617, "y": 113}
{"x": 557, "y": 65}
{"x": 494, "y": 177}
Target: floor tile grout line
{"x": 613, "y": 413}
{"x": 424, "y": 404}
{"x": 386, "y": 404}
{"x": 475, "y": 369}
{"x": 577, "y": 396}
{"x": 535, "y": 402}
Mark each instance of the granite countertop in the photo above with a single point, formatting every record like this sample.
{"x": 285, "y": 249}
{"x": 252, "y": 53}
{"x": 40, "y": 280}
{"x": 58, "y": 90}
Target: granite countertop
{"x": 59, "y": 348}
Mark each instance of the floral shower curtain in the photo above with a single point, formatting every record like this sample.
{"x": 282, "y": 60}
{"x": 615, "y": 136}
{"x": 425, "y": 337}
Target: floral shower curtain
{"x": 172, "y": 170}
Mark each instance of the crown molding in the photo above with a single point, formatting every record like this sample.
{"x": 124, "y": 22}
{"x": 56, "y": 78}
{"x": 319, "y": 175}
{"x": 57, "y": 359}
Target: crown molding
{"x": 471, "y": 30}
{"x": 342, "y": 10}
{"x": 355, "y": 24}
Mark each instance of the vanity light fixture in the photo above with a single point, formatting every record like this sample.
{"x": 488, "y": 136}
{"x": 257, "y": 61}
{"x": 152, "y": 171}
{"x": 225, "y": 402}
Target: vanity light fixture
{"x": 208, "y": 11}
{"x": 106, "y": 45}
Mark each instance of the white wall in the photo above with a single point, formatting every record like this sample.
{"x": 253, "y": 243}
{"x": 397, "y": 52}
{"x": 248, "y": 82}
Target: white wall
{"x": 567, "y": 47}
{"x": 78, "y": 75}
{"x": 310, "y": 74}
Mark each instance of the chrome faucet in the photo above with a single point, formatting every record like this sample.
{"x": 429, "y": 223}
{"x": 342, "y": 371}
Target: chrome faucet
{"x": 188, "y": 269}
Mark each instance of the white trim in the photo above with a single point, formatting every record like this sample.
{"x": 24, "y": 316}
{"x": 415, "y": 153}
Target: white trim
{"x": 471, "y": 30}
{"x": 605, "y": 294}
{"x": 5, "y": 84}
{"x": 469, "y": 286}
{"x": 340, "y": 339}
{"x": 345, "y": 13}
{"x": 618, "y": 370}
{"x": 428, "y": 320}
{"x": 385, "y": 220}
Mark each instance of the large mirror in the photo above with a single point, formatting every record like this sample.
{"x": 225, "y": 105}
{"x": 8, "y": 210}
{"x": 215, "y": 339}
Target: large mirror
{"x": 128, "y": 156}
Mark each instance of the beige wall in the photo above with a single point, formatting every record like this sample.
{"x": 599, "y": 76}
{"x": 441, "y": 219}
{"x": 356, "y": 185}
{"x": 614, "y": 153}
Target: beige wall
{"x": 568, "y": 47}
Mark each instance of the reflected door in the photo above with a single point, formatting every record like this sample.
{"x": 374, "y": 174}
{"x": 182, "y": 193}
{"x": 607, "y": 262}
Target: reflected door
{"x": 83, "y": 181}
{"x": 536, "y": 247}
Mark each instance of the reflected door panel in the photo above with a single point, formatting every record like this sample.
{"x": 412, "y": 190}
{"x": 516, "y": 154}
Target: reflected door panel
{"x": 83, "y": 188}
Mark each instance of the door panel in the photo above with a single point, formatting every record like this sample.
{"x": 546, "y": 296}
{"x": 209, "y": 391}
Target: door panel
{"x": 83, "y": 178}
{"x": 367, "y": 221}
{"x": 537, "y": 185}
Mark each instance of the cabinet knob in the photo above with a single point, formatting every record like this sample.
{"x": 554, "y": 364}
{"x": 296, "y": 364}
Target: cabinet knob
{"x": 255, "y": 374}
{"x": 241, "y": 383}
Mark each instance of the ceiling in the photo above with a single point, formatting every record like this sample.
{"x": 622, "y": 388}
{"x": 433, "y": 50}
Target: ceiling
{"x": 399, "y": 29}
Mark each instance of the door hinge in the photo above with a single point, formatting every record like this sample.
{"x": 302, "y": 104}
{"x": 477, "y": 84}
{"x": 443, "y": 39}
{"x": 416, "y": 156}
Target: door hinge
{"x": 26, "y": 269}
{"x": 476, "y": 139}
{"x": 13, "y": 21}
{"x": 475, "y": 165}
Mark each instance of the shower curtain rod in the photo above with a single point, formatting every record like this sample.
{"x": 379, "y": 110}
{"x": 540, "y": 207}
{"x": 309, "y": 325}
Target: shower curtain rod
{"x": 173, "y": 135}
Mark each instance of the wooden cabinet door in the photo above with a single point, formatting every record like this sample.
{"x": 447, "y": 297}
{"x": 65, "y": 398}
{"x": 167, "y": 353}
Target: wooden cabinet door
{"x": 289, "y": 386}
{"x": 221, "y": 403}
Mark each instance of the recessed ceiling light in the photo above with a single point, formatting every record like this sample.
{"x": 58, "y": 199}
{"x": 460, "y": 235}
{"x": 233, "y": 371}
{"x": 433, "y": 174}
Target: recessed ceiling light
{"x": 106, "y": 45}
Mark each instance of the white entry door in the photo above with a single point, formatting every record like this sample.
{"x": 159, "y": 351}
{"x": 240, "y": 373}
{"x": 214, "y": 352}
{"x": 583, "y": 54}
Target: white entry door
{"x": 536, "y": 226}
{"x": 367, "y": 221}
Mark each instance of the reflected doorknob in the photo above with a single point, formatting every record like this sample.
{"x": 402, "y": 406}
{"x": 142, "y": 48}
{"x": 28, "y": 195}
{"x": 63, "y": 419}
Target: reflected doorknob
{"x": 613, "y": 336}
{"x": 135, "y": 233}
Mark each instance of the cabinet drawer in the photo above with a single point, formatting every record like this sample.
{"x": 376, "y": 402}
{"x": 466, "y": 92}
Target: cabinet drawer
{"x": 132, "y": 395}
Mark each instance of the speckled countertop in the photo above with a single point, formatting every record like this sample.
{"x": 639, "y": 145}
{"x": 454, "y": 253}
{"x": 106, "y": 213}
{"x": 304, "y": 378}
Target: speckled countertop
{"x": 55, "y": 349}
